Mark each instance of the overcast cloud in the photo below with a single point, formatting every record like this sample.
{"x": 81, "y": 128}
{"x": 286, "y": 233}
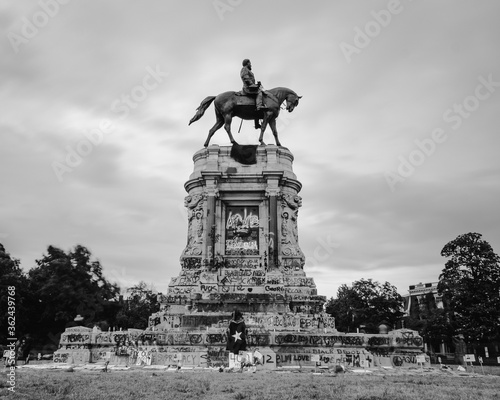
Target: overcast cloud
{"x": 395, "y": 140}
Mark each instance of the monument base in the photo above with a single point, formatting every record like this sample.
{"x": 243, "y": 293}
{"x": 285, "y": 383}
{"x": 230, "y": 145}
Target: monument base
{"x": 206, "y": 348}
{"x": 243, "y": 253}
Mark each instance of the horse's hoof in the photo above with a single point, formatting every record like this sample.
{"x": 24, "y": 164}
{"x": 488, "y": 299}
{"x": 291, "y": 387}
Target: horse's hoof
{"x": 262, "y": 144}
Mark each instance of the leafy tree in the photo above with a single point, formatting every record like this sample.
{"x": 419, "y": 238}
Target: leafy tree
{"x": 12, "y": 276}
{"x": 470, "y": 286}
{"x": 67, "y": 284}
{"x": 368, "y": 303}
{"x": 136, "y": 309}
{"x": 437, "y": 328}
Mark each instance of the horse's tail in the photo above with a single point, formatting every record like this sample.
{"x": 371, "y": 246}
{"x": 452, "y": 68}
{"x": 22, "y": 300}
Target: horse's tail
{"x": 202, "y": 108}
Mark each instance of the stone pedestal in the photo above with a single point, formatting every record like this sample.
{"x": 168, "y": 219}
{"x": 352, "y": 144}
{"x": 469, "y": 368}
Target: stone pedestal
{"x": 243, "y": 252}
{"x": 242, "y": 248}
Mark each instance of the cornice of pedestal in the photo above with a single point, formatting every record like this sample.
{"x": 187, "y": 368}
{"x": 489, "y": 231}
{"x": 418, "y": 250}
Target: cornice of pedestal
{"x": 215, "y": 163}
{"x": 292, "y": 183}
{"x": 192, "y": 184}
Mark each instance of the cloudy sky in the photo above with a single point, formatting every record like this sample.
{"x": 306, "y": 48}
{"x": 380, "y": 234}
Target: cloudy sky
{"x": 396, "y": 138}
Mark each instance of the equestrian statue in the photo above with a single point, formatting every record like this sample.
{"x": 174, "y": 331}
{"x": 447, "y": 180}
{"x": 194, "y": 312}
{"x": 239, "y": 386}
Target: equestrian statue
{"x": 251, "y": 103}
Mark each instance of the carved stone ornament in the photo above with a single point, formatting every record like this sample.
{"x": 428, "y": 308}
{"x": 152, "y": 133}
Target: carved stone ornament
{"x": 289, "y": 232}
{"x": 195, "y": 205}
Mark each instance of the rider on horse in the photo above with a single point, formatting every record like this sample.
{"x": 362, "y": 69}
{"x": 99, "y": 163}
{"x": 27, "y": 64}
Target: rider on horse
{"x": 236, "y": 104}
{"x": 250, "y": 88}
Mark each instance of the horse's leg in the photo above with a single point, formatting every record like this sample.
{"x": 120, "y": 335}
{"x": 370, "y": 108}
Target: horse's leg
{"x": 227, "y": 126}
{"x": 272, "y": 124}
{"x": 263, "y": 128}
{"x": 218, "y": 124}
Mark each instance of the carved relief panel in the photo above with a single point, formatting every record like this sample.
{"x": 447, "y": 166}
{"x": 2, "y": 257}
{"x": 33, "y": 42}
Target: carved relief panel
{"x": 289, "y": 231}
{"x": 242, "y": 230}
{"x": 195, "y": 205}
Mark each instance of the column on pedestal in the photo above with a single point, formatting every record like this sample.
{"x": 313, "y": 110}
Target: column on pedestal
{"x": 211, "y": 236}
{"x": 272, "y": 191}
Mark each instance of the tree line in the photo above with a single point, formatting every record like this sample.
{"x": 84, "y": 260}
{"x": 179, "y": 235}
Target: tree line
{"x": 62, "y": 285}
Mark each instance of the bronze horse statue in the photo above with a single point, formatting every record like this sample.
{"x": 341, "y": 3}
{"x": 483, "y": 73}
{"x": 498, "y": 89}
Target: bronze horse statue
{"x": 229, "y": 104}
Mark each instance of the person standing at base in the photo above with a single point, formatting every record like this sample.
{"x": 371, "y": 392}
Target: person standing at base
{"x": 460, "y": 349}
{"x": 237, "y": 333}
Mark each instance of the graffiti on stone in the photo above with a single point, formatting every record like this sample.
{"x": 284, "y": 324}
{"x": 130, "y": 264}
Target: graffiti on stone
{"x": 98, "y": 355}
{"x": 144, "y": 357}
{"x": 236, "y": 289}
{"x": 307, "y": 323}
{"x": 256, "y": 340}
{"x": 209, "y": 288}
{"x": 351, "y": 340}
{"x": 199, "y": 320}
{"x": 289, "y": 265}
{"x": 75, "y": 337}
{"x": 171, "y": 320}
{"x": 292, "y": 359}
{"x": 405, "y": 360}
{"x": 379, "y": 341}
{"x": 177, "y": 338}
{"x": 216, "y": 338}
{"x": 77, "y": 346}
{"x": 275, "y": 288}
{"x": 291, "y": 339}
{"x": 119, "y": 338}
{"x": 298, "y": 281}
{"x": 408, "y": 338}
{"x": 191, "y": 263}
{"x": 242, "y": 230}
{"x": 217, "y": 356}
{"x": 207, "y": 277}
{"x": 183, "y": 280}
{"x": 242, "y": 263}
{"x": 329, "y": 322}
{"x": 180, "y": 289}
{"x": 274, "y": 279}
{"x": 242, "y": 280}
{"x": 195, "y": 339}
{"x": 190, "y": 358}
{"x": 61, "y": 357}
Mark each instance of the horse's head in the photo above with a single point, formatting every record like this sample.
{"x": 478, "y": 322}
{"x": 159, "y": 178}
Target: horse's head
{"x": 292, "y": 101}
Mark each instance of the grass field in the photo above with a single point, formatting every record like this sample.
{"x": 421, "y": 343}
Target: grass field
{"x": 146, "y": 384}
